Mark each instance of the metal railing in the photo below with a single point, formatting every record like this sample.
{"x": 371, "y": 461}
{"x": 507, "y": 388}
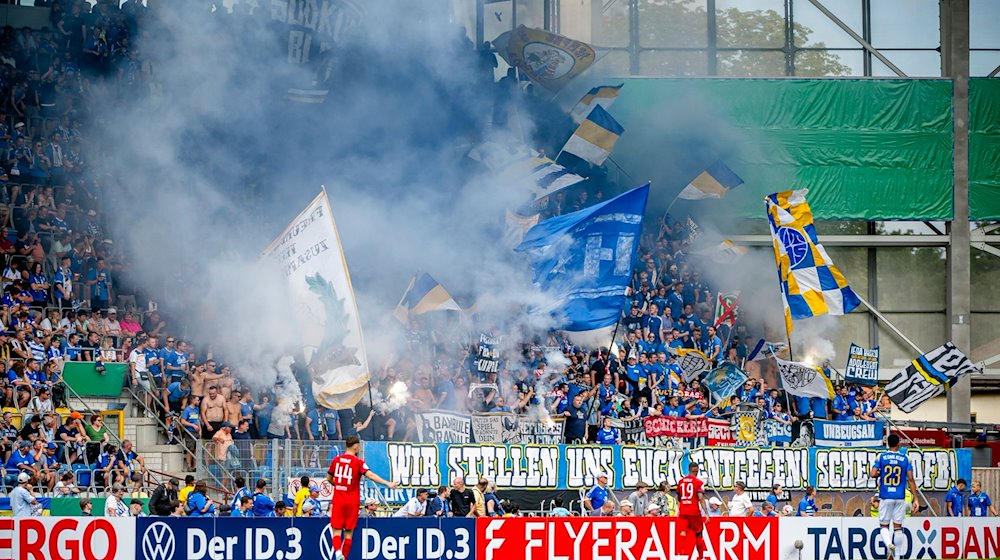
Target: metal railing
{"x": 217, "y": 474}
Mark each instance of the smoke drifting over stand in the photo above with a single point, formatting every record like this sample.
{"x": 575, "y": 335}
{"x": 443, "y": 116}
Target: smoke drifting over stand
{"x": 207, "y": 161}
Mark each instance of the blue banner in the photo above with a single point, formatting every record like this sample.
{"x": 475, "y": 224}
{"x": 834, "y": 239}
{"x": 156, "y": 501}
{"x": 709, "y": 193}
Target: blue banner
{"x": 723, "y": 381}
{"x": 299, "y": 538}
{"x": 848, "y": 434}
{"x": 862, "y": 366}
{"x": 583, "y": 260}
{"x": 570, "y": 467}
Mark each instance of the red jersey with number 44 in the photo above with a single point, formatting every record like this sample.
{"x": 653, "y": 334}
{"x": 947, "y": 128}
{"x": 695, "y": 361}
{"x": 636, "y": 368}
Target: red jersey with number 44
{"x": 346, "y": 471}
{"x": 688, "y": 490}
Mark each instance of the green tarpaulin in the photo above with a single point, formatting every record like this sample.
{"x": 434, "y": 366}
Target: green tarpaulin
{"x": 984, "y": 149}
{"x": 86, "y": 381}
{"x": 867, "y": 149}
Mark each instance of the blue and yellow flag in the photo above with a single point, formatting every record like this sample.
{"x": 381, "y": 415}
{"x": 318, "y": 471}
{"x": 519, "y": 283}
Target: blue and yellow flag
{"x": 595, "y": 138}
{"x": 810, "y": 284}
{"x": 713, "y": 182}
{"x": 422, "y": 295}
{"x": 604, "y": 96}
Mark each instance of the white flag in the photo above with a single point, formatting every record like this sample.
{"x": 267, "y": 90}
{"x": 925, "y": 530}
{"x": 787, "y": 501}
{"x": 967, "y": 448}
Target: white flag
{"x": 804, "y": 380}
{"x": 311, "y": 258}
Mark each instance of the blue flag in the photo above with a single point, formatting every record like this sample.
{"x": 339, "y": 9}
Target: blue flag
{"x": 584, "y": 259}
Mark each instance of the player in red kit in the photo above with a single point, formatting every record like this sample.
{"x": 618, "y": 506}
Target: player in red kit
{"x": 691, "y": 504}
{"x": 345, "y": 475}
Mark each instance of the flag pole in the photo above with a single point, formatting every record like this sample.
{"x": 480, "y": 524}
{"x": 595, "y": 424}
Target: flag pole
{"x": 889, "y": 324}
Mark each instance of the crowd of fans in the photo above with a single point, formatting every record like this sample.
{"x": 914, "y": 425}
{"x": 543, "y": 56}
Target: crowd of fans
{"x": 65, "y": 279}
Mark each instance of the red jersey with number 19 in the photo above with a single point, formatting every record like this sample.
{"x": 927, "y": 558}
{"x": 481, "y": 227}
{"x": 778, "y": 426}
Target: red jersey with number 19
{"x": 688, "y": 490}
{"x": 347, "y": 471}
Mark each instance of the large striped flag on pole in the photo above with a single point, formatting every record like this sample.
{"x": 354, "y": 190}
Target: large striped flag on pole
{"x": 810, "y": 284}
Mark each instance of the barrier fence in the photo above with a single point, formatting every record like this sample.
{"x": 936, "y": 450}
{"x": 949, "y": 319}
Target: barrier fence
{"x": 530, "y": 538}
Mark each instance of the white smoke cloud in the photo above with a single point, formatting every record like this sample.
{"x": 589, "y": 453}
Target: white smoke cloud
{"x": 211, "y": 162}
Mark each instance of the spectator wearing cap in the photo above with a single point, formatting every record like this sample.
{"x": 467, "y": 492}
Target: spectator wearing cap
{"x": 740, "y": 504}
{"x": 714, "y": 507}
{"x": 625, "y": 509}
{"x": 371, "y": 506}
{"x": 653, "y": 510}
{"x": 115, "y": 506}
{"x": 135, "y": 508}
{"x": 50, "y": 464}
{"x": 222, "y": 439}
{"x": 159, "y": 501}
{"x": 312, "y": 507}
{"x": 22, "y": 500}
{"x": 415, "y": 506}
{"x": 640, "y": 498}
{"x": 598, "y": 494}
{"x": 21, "y": 461}
{"x": 280, "y": 510}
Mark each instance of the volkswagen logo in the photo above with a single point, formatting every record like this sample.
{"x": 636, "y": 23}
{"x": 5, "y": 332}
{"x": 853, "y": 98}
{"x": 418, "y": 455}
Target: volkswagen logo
{"x": 158, "y": 542}
{"x": 326, "y": 543}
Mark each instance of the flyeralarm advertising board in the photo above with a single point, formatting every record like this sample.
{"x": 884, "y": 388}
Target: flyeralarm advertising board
{"x": 620, "y": 538}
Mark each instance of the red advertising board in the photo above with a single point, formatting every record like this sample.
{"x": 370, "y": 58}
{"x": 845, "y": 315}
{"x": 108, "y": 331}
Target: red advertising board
{"x": 720, "y": 433}
{"x": 617, "y": 538}
{"x": 671, "y": 426}
{"x": 924, "y": 438}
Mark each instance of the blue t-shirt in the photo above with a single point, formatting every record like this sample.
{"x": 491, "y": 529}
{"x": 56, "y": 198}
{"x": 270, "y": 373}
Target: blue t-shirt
{"x": 607, "y": 437}
{"x": 845, "y": 404}
{"x": 196, "y": 501}
{"x": 576, "y": 422}
{"x": 979, "y": 504}
{"x": 317, "y": 509}
{"x": 174, "y": 358}
{"x": 239, "y": 513}
{"x": 175, "y": 393}
{"x": 773, "y": 499}
{"x": 193, "y": 415}
{"x": 955, "y": 499}
{"x": 103, "y": 461}
{"x": 263, "y": 506}
{"x": 893, "y": 468}
{"x": 598, "y": 495}
{"x": 235, "y": 504}
{"x": 676, "y": 412}
{"x": 807, "y": 507}
{"x": 17, "y": 459}
{"x": 156, "y": 369}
